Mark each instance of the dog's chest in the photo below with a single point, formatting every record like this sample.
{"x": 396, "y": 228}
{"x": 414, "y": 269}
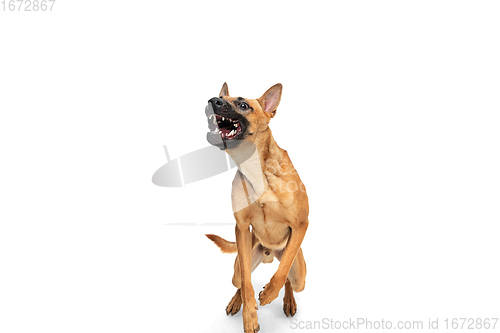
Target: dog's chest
{"x": 270, "y": 224}
{"x": 269, "y": 212}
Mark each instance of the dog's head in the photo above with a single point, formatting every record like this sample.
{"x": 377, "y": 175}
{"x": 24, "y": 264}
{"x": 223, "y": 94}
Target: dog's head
{"x": 232, "y": 120}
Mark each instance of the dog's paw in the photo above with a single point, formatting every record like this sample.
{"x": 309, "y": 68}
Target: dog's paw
{"x": 289, "y": 305}
{"x": 235, "y": 304}
{"x": 270, "y": 292}
{"x": 250, "y": 321}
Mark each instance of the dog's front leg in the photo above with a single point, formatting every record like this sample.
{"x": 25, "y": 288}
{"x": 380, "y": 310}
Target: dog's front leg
{"x": 272, "y": 289}
{"x": 244, "y": 246}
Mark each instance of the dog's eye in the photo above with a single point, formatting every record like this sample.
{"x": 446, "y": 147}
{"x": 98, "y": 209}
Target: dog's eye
{"x": 243, "y": 106}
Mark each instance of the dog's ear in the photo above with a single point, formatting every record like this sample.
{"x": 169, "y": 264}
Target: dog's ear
{"x": 224, "y": 91}
{"x": 271, "y": 99}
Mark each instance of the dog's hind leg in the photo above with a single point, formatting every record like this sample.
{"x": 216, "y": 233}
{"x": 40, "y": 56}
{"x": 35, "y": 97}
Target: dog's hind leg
{"x": 289, "y": 304}
{"x": 235, "y": 304}
{"x": 296, "y": 281}
{"x": 297, "y": 273}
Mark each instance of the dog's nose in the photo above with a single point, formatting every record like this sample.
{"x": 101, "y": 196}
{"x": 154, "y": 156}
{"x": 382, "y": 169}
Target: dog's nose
{"x": 216, "y": 102}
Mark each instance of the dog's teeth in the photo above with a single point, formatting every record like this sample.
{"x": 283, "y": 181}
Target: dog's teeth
{"x": 223, "y": 118}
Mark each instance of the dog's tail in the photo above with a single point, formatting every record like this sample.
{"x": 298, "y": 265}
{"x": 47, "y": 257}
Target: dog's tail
{"x": 224, "y": 245}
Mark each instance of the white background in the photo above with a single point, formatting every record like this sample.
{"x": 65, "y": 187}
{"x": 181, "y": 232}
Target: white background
{"x": 390, "y": 113}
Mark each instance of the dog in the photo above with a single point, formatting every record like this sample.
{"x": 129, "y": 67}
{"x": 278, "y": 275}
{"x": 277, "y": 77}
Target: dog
{"x": 269, "y": 202}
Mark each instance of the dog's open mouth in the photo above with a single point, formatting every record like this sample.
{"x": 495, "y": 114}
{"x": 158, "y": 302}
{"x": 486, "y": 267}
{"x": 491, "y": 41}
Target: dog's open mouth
{"x": 227, "y": 128}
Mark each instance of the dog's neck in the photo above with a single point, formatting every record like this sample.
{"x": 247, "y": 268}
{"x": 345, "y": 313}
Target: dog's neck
{"x": 266, "y": 158}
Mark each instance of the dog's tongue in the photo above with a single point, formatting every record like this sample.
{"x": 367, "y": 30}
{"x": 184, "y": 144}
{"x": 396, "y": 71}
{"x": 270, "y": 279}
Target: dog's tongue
{"x": 224, "y": 132}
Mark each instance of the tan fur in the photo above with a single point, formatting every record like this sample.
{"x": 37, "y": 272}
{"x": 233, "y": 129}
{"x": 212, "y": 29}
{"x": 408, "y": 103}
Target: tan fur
{"x": 278, "y": 218}
{"x": 224, "y": 245}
